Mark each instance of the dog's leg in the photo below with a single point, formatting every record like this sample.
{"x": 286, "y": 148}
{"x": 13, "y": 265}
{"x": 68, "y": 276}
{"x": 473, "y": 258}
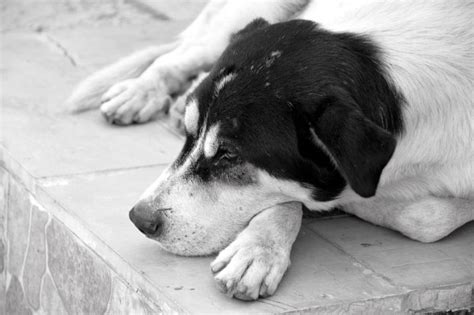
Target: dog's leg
{"x": 89, "y": 94}
{"x": 140, "y": 99}
{"x": 427, "y": 219}
{"x": 254, "y": 264}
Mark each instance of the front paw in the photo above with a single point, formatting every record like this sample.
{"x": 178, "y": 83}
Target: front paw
{"x": 248, "y": 269}
{"x": 134, "y": 101}
{"x": 176, "y": 113}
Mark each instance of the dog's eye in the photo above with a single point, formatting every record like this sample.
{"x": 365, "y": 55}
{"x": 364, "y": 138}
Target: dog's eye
{"x": 225, "y": 154}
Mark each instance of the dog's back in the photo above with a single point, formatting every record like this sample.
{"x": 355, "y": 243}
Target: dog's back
{"x": 427, "y": 50}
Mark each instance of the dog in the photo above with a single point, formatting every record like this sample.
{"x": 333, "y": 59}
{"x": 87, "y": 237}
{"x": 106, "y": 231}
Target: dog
{"x": 364, "y": 105}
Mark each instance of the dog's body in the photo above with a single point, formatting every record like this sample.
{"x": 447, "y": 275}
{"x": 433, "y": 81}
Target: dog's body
{"x": 370, "y": 109}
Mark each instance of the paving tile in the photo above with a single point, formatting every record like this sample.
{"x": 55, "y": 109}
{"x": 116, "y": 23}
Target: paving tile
{"x": 40, "y": 70}
{"x": 3, "y": 292}
{"x": 421, "y": 275}
{"x": 3, "y": 252}
{"x": 17, "y": 14}
{"x": 78, "y": 275}
{"x": 440, "y": 299}
{"x": 51, "y": 302}
{"x": 404, "y": 261}
{"x": 35, "y": 264}
{"x": 18, "y": 218}
{"x": 15, "y": 304}
{"x": 387, "y": 305}
{"x": 30, "y": 15}
{"x": 125, "y": 301}
{"x": 57, "y": 145}
{"x": 3, "y": 249}
{"x": 48, "y": 142}
{"x": 321, "y": 274}
{"x": 93, "y": 47}
{"x": 3, "y": 199}
{"x": 35, "y": 77}
{"x": 177, "y": 9}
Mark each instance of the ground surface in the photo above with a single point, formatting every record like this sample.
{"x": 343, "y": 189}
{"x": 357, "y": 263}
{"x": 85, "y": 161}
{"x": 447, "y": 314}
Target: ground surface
{"x": 92, "y": 173}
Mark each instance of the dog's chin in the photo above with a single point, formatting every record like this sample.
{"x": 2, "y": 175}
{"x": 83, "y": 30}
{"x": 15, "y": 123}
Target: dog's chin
{"x": 199, "y": 237}
{"x": 191, "y": 248}
{"x": 196, "y": 243}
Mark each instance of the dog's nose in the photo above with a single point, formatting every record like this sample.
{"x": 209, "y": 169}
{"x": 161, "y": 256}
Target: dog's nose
{"x": 146, "y": 219}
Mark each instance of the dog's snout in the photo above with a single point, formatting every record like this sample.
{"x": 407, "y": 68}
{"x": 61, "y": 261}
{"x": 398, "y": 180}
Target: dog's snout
{"x": 148, "y": 220}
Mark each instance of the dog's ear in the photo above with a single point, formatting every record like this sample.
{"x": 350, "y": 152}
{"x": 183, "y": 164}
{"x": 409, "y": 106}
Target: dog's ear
{"x": 252, "y": 26}
{"x": 359, "y": 148}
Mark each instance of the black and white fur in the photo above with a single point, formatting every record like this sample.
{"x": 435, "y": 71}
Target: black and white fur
{"x": 366, "y": 105}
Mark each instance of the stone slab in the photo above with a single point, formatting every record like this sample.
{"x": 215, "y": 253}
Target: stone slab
{"x": 35, "y": 77}
{"x": 18, "y": 218}
{"x": 321, "y": 274}
{"x": 93, "y": 47}
{"x": 51, "y": 302}
{"x": 54, "y": 145}
{"x": 3, "y": 292}
{"x": 39, "y": 69}
{"x": 174, "y": 10}
{"x": 35, "y": 263}
{"x": 125, "y": 301}
{"x": 3, "y": 252}
{"x": 15, "y": 302}
{"x": 442, "y": 299}
{"x": 3, "y": 200}
{"x": 36, "y": 80}
{"x": 47, "y": 15}
{"x": 405, "y": 262}
{"x": 77, "y": 273}
{"x": 4, "y": 178}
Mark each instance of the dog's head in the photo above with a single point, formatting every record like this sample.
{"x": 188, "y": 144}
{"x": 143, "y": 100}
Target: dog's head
{"x": 278, "y": 119}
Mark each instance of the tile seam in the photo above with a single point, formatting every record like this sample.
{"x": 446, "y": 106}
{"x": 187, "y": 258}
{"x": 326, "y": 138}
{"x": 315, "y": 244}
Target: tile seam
{"x": 361, "y": 263}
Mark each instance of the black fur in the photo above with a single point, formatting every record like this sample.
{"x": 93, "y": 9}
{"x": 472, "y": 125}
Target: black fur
{"x": 294, "y": 80}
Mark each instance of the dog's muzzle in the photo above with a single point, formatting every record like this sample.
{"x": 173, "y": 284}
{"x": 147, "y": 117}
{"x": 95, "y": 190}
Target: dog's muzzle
{"x": 148, "y": 220}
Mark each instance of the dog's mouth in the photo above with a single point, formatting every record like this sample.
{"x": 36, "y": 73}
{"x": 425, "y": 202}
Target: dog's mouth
{"x": 193, "y": 240}
{"x": 187, "y": 238}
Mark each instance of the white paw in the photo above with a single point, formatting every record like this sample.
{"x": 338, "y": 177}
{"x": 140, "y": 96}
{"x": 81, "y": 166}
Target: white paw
{"x": 247, "y": 269}
{"x": 176, "y": 113}
{"x": 133, "y": 101}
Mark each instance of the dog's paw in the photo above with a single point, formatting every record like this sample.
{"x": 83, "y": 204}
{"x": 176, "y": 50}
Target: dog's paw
{"x": 247, "y": 269}
{"x": 134, "y": 101}
{"x": 176, "y": 113}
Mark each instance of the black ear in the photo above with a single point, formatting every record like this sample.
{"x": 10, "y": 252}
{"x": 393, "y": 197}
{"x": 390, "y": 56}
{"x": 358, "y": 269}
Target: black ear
{"x": 252, "y": 26}
{"x": 359, "y": 148}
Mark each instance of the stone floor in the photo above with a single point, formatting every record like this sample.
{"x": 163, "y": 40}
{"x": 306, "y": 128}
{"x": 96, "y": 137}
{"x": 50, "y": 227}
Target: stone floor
{"x": 67, "y": 183}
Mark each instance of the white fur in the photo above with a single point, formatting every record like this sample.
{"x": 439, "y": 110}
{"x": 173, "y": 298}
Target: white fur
{"x": 211, "y": 142}
{"x": 260, "y": 254}
{"x": 427, "y": 52}
{"x": 87, "y": 95}
{"x": 291, "y": 190}
{"x": 321, "y": 145}
{"x": 191, "y": 117}
{"x": 222, "y": 82}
